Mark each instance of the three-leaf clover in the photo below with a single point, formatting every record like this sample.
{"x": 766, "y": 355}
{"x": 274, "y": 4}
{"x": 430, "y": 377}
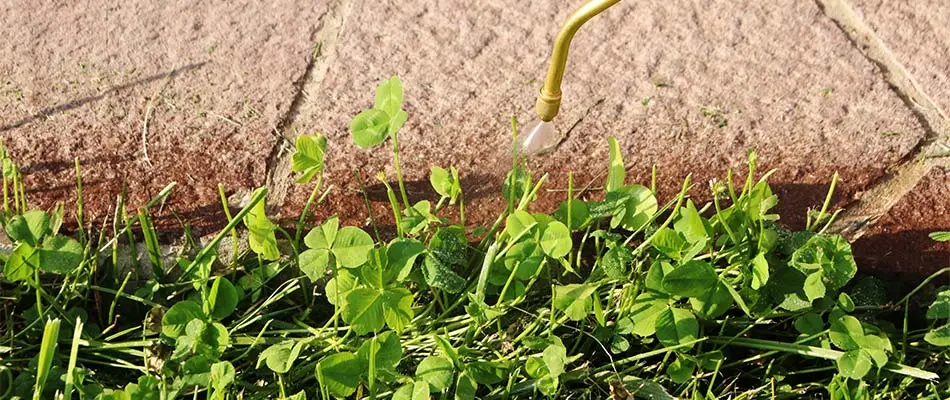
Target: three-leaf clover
{"x": 349, "y": 246}
{"x": 38, "y": 248}
{"x": 371, "y": 127}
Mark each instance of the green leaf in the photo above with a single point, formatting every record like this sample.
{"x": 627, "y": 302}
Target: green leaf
{"x": 830, "y": 254}
{"x": 940, "y": 308}
{"x": 616, "y": 171}
{"x": 845, "y": 302}
{"x": 713, "y": 303}
{"x": 323, "y": 237}
{"x": 418, "y": 218}
{"x": 693, "y": 279}
{"x": 441, "y": 181}
{"x": 412, "y": 391}
{"x": 854, "y": 364}
{"x": 402, "y": 254}
{"x": 760, "y": 271}
{"x": 280, "y": 357}
{"x": 646, "y": 309}
{"x": 314, "y": 263}
{"x": 371, "y": 273}
{"x": 224, "y": 298}
{"x": 338, "y": 287}
{"x": 367, "y": 309}
{"x": 615, "y": 261}
{"x": 363, "y": 310}
{"x": 654, "y": 280}
{"x": 786, "y": 286}
{"x": 437, "y": 371}
{"x": 146, "y": 388}
{"x": 808, "y": 324}
{"x": 261, "y": 236}
{"x": 397, "y": 308}
{"x": 339, "y": 373}
{"x": 389, "y": 96}
{"x": 29, "y": 228}
{"x": 580, "y": 214}
{"x": 466, "y": 387}
{"x": 308, "y": 159}
{"x": 681, "y": 370}
{"x": 940, "y": 236}
{"x": 814, "y": 286}
{"x": 397, "y": 121}
{"x": 670, "y": 243}
{"x": 178, "y": 316}
{"x": 846, "y": 333}
{"x": 440, "y": 275}
{"x": 222, "y": 374}
{"x": 487, "y": 373}
{"x": 22, "y": 263}
{"x": 556, "y": 240}
{"x": 388, "y": 351}
{"x": 60, "y": 255}
{"x": 518, "y": 223}
{"x": 639, "y": 208}
{"x": 370, "y": 128}
{"x": 574, "y": 300}
{"x": 447, "y": 250}
{"x": 691, "y": 225}
{"x": 939, "y": 336}
{"x": 351, "y": 247}
{"x": 525, "y": 257}
{"x": 675, "y": 326}
{"x": 555, "y": 357}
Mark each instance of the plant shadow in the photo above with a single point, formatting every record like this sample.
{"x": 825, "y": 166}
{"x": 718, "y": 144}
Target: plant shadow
{"x": 59, "y": 108}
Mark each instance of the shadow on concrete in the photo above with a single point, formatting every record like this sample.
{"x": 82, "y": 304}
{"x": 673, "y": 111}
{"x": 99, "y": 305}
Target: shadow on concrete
{"x": 795, "y": 199}
{"x": 57, "y": 166}
{"x": 474, "y": 186}
{"x": 908, "y": 255}
{"x": 50, "y": 111}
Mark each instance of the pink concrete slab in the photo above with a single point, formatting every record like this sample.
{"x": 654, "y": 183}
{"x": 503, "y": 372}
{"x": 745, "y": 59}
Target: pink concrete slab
{"x": 900, "y": 241}
{"x": 687, "y": 85}
{"x": 918, "y": 33}
{"x": 148, "y": 92}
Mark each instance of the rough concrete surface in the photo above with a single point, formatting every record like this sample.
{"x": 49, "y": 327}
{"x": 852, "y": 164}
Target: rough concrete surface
{"x": 918, "y": 32}
{"x": 206, "y": 90}
{"x": 782, "y": 78}
{"x": 148, "y": 93}
{"x": 900, "y": 242}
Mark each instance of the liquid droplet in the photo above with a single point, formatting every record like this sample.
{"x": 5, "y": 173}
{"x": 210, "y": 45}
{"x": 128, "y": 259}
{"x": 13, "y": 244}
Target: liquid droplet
{"x": 540, "y": 137}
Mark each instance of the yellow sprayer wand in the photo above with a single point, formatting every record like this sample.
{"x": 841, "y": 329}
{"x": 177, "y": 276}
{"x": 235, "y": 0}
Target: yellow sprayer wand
{"x": 541, "y": 135}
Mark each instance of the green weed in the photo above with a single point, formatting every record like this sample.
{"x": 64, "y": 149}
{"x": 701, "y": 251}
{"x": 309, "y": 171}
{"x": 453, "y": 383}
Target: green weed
{"x": 622, "y": 297}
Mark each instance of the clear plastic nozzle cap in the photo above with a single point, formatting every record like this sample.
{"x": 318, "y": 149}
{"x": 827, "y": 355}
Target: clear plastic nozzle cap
{"x": 539, "y": 137}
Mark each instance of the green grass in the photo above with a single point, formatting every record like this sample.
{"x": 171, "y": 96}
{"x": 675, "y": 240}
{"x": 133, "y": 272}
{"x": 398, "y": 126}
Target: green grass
{"x": 621, "y": 297}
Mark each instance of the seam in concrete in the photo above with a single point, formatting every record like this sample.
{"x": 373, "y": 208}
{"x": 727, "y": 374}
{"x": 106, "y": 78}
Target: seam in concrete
{"x": 882, "y": 195}
{"x": 279, "y": 177}
{"x": 567, "y": 133}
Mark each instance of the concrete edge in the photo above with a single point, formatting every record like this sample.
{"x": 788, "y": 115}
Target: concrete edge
{"x": 279, "y": 178}
{"x": 878, "y": 199}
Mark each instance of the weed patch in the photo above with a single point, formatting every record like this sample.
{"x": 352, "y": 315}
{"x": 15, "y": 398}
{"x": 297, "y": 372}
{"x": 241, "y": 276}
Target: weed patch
{"x": 621, "y": 298}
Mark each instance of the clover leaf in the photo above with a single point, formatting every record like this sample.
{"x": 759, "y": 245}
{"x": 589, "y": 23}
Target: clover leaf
{"x": 339, "y": 374}
{"x": 261, "y": 237}
{"x": 309, "y": 157}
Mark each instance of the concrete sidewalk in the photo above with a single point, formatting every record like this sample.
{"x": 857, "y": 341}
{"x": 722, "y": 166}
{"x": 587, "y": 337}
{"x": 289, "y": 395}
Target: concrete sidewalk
{"x": 201, "y": 94}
